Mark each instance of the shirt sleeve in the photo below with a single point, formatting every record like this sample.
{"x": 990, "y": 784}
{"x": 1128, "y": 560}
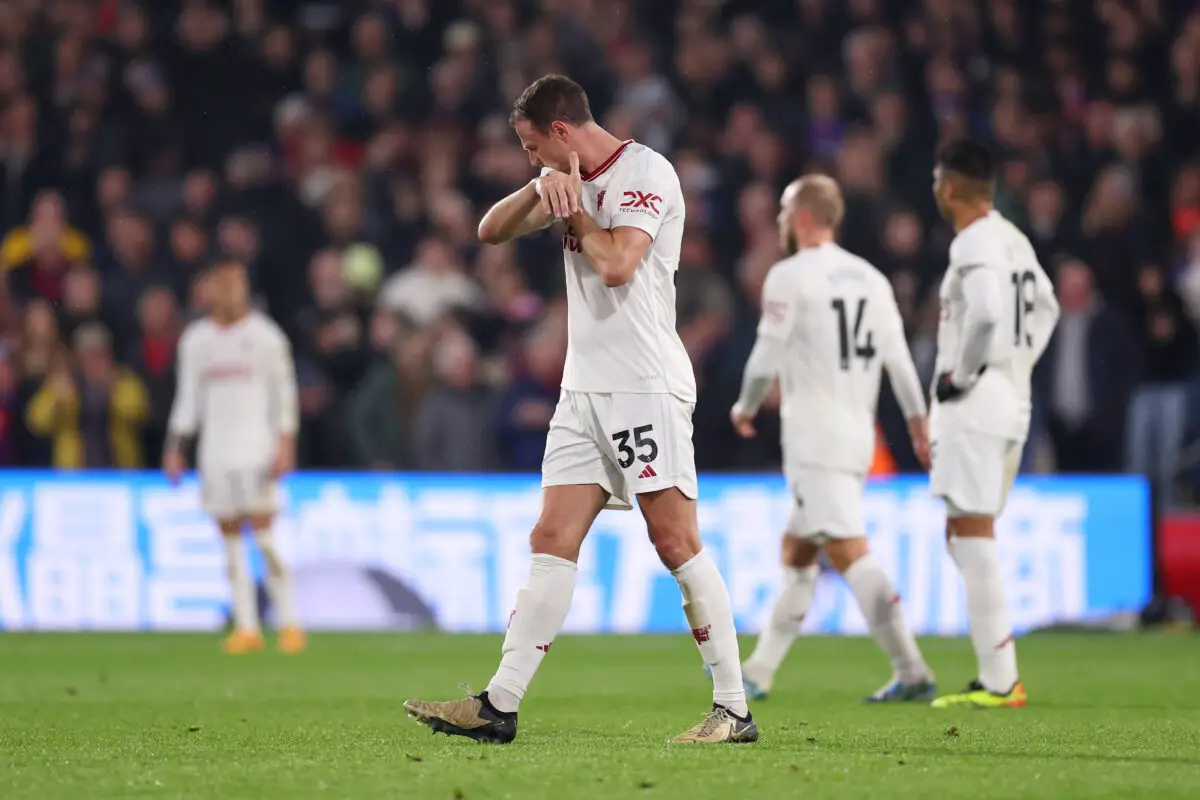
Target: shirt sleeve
{"x": 774, "y": 328}
{"x": 645, "y": 198}
{"x": 902, "y": 373}
{"x": 779, "y": 301}
{"x": 283, "y": 385}
{"x": 185, "y": 411}
{"x": 981, "y": 295}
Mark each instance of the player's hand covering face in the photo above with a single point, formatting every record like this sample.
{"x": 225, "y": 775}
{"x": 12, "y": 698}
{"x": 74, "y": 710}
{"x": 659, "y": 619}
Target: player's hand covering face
{"x": 560, "y": 191}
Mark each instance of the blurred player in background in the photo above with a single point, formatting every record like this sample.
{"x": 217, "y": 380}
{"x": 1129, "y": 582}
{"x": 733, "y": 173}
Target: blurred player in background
{"x": 623, "y": 426}
{"x": 829, "y": 327}
{"x": 997, "y": 313}
{"x": 237, "y": 388}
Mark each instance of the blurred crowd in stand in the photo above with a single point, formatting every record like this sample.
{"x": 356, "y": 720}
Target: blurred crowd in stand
{"x": 346, "y": 150}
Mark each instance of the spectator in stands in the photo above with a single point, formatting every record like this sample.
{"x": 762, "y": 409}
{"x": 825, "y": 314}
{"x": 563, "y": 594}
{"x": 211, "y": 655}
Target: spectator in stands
{"x": 379, "y": 418}
{"x": 1087, "y": 375}
{"x": 454, "y": 429}
{"x": 1170, "y": 358}
{"x": 432, "y": 285}
{"x": 274, "y": 137}
{"x": 26, "y": 165}
{"x": 704, "y": 301}
{"x": 333, "y": 353}
{"x": 1049, "y": 229}
{"x": 152, "y": 358}
{"x": 39, "y": 351}
{"x": 10, "y": 410}
{"x": 38, "y": 256}
{"x": 332, "y": 331}
{"x": 528, "y": 404}
{"x": 188, "y": 246}
{"x": 131, "y": 240}
{"x": 508, "y": 306}
{"x": 91, "y": 415}
{"x": 81, "y": 301}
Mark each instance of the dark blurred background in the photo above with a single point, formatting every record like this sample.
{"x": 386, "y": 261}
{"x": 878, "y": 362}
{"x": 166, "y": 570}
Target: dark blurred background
{"x": 346, "y": 151}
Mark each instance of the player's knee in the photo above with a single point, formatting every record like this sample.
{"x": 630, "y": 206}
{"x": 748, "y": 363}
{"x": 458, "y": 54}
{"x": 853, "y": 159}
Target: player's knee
{"x": 844, "y": 553}
{"x": 230, "y": 527}
{"x": 675, "y": 547}
{"x": 556, "y": 540}
{"x": 261, "y": 522}
{"x": 798, "y": 553}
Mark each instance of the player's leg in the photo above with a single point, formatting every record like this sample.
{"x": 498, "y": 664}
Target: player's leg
{"x": 542, "y": 606}
{"x": 973, "y": 472}
{"x": 800, "y": 571}
{"x": 671, "y": 522}
{"x": 577, "y": 481}
{"x": 540, "y": 611}
{"x": 650, "y": 440}
{"x": 880, "y": 605}
{"x": 280, "y": 585}
{"x": 219, "y": 491}
{"x": 246, "y": 636}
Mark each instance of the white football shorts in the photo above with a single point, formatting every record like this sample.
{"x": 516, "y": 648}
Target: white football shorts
{"x": 626, "y": 443}
{"x": 827, "y": 504}
{"x": 973, "y": 471}
{"x": 232, "y": 493}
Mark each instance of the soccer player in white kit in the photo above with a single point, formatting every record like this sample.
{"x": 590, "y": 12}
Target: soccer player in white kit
{"x": 623, "y": 426}
{"x": 829, "y": 327}
{"x": 998, "y": 311}
{"x": 237, "y": 388}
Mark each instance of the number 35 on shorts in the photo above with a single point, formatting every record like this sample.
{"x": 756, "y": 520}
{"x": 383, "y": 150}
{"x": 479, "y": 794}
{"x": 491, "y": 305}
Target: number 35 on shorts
{"x": 643, "y": 447}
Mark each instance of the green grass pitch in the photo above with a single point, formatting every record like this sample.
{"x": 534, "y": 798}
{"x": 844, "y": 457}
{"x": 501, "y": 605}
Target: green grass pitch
{"x": 107, "y": 716}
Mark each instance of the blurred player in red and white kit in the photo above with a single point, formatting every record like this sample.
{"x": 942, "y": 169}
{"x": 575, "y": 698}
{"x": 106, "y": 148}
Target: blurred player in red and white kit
{"x": 623, "y": 426}
{"x": 830, "y": 326}
{"x": 998, "y": 312}
{"x": 237, "y": 389}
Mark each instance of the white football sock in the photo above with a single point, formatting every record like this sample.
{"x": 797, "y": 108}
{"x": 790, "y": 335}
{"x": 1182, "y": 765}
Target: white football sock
{"x": 991, "y": 632}
{"x": 537, "y": 617}
{"x": 794, "y": 601}
{"x": 710, "y": 615}
{"x": 881, "y": 606}
{"x": 241, "y": 588}
{"x": 279, "y": 580}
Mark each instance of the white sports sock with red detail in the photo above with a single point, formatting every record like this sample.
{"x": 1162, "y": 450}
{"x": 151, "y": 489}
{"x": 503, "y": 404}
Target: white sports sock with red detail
{"x": 991, "y": 632}
{"x": 794, "y": 601}
{"x": 881, "y": 606}
{"x": 537, "y": 617}
{"x": 710, "y": 615}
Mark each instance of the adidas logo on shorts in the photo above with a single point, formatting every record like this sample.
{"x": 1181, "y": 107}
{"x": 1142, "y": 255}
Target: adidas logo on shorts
{"x": 648, "y": 472}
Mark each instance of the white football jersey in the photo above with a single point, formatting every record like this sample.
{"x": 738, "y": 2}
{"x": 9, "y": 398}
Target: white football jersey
{"x": 999, "y": 404}
{"x": 237, "y": 388}
{"x": 623, "y": 339}
{"x": 837, "y": 318}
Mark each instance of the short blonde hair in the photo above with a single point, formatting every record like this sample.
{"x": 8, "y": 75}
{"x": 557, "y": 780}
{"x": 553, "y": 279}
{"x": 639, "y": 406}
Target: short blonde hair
{"x": 821, "y": 196}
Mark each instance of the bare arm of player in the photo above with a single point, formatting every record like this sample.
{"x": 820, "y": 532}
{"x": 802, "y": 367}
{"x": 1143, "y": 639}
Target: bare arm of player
{"x": 981, "y": 296}
{"x": 287, "y": 401}
{"x": 185, "y": 412}
{"x": 906, "y": 384}
{"x": 614, "y": 254}
{"x": 774, "y": 328}
{"x": 519, "y": 214}
{"x": 757, "y": 379}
